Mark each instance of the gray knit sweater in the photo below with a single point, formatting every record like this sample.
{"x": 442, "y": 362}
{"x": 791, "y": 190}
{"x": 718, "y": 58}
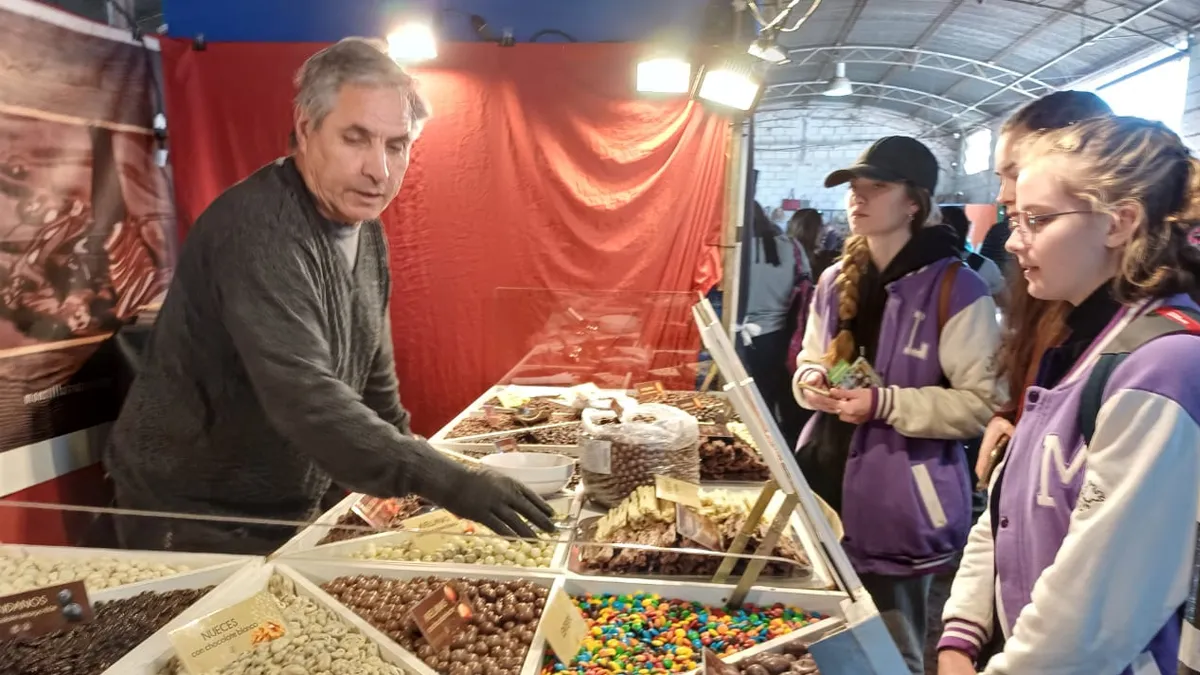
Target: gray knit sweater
{"x": 270, "y": 369}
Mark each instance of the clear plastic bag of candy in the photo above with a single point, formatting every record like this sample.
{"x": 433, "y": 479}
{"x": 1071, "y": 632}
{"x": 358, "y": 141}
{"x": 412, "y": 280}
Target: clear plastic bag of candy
{"x": 627, "y": 447}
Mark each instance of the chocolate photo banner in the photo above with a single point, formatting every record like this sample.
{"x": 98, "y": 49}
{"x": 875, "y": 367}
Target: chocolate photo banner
{"x": 85, "y": 216}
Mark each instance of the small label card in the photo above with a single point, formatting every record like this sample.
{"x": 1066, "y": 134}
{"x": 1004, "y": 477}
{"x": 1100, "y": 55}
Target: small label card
{"x": 377, "y": 512}
{"x": 692, "y": 525}
{"x": 511, "y": 398}
{"x": 649, "y": 391}
{"x": 678, "y": 491}
{"x": 508, "y": 444}
{"x": 595, "y": 456}
{"x": 434, "y": 521}
{"x": 214, "y": 641}
{"x": 442, "y": 615}
{"x": 44, "y": 610}
{"x": 566, "y": 628}
{"x": 690, "y": 406}
{"x": 715, "y": 432}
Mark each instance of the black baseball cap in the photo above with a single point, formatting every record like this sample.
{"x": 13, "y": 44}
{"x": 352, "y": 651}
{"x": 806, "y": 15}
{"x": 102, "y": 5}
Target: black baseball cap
{"x": 892, "y": 159}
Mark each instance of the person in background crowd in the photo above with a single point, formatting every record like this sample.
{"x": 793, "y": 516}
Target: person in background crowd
{"x": 1024, "y": 315}
{"x": 779, "y": 218}
{"x": 270, "y": 371}
{"x": 764, "y": 338}
{"x": 806, "y": 227}
{"x": 956, "y": 219}
{"x": 889, "y": 458}
{"x": 1100, "y": 486}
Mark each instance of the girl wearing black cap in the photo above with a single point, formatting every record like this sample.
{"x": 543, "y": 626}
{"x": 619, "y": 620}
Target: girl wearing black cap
{"x": 889, "y": 457}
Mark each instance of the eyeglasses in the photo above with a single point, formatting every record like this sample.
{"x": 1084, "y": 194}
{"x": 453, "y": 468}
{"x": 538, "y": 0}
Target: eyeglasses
{"x": 1029, "y": 224}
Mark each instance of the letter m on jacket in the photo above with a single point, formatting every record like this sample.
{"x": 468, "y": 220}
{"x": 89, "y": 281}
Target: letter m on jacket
{"x": 1053, "y": 460}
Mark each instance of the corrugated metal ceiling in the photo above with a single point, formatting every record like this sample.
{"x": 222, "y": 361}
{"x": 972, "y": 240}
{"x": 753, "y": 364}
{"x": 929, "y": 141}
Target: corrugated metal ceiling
{"x": 958, "y": 63}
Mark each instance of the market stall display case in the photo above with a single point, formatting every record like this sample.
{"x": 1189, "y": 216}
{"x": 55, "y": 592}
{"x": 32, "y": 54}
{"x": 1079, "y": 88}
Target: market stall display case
{"x": 650, "y": 581}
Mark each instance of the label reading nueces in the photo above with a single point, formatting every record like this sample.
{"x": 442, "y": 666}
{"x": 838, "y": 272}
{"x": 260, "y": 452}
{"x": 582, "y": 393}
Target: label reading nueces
{"x": 214, "y": 641}
{"x": 566, "y": 628}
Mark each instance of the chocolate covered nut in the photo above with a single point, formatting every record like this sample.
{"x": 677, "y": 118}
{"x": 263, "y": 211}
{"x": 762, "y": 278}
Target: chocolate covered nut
{"x": 496, "y": 639}
{"x": 25, "y": 572}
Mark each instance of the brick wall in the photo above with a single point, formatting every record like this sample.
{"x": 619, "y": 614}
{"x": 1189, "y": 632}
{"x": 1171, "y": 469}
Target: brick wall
{"x": 796, "y": 149}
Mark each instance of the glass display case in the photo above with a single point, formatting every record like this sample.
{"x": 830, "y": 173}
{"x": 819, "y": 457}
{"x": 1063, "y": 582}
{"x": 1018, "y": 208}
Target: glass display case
{"x": 668, "y": 550}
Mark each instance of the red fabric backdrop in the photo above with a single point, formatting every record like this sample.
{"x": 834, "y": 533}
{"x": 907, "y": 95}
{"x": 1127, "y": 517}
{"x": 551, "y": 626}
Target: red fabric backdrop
{"x": 541, "y": 168}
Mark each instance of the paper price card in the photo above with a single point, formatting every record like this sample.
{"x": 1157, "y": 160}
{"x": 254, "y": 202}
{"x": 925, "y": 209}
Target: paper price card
{"x": 648, "y": 391}
{"x": 44, "y": 610}
{"x": 595, "y": 456}
{"x": 565, "y": 627}
{"x": 214, "y": 641}
{"x": 510, "y": 398}
{"x": 678, "y": 491}
{"x": 508, "y": 444}
{"x": 442, "y": 615}
{"x": 375, "y": 511}
{"x": 690, "y": 406}
{"x": 715, "y": 431}
{"x": 693, "y": 526}
{"x": 434, "y": 521}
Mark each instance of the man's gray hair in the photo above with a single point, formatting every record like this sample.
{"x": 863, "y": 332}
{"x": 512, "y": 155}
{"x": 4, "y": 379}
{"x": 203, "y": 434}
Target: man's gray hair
{"x": 354, "y": 60}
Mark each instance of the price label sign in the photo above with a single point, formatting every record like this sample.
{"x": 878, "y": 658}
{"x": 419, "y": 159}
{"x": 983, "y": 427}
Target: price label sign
{"x": 693, "y": 526}
{"x": 690, "y": 406}
{"x": 716, "y": 431}
{"x": 595, "y": 456}
{"x": 566, "y": 628}
{"x": 442, "y": 615}
{"x": 618, "y": 408}
{"x": 511, "y": 399}
{"x": 649, "y": 391}
{"x": 44, "y": 610}
{"x": 678, "y": 491}
{"x": 434, "y": 521}
{"x": 214, "y": 641}
{"x": 377, "y": 512}
{"x": 508, "y": 444}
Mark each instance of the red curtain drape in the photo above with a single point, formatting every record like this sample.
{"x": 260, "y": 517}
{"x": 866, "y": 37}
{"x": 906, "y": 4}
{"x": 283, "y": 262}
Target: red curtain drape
{"x": 540, "y": 168}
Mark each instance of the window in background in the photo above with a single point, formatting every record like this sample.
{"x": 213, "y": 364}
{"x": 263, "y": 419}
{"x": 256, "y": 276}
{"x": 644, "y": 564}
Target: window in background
{"x": 1154, "y": 87}
{"x": 977, "y": 151}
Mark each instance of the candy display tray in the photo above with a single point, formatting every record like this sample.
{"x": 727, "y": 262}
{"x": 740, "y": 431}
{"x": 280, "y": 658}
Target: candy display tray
{"x": 827, "y": 603}
{"x": 221, "y": 576}
{"x": 440, "y": 441}
{"x": 571, "y": 504}
{"x": 196, "y": 561}
{"x": 820, "y": 578}
{"x": 157, "y": 651}
{"x": 313, "y": 573}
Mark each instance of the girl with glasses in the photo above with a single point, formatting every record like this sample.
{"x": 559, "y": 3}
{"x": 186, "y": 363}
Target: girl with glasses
{"x": 1082, "y": 562}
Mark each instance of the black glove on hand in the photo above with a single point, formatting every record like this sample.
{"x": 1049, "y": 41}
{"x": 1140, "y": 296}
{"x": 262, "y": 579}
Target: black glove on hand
{"x": 499, "y": 503}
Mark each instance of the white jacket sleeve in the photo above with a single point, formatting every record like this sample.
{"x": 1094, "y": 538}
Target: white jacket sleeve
{"x": 816, "y": 339}
{"x": 965, "y": 350}
{"x": 967, "y": 616}
{"x": 1124, "y": 567}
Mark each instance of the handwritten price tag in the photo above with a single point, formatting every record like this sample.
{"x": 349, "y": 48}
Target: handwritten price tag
{"x": 565, "y": 627}
{"x": 675, "y": 490}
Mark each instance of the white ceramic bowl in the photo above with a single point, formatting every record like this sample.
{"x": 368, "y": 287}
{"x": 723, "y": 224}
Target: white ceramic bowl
{"x": 544, "y": 473}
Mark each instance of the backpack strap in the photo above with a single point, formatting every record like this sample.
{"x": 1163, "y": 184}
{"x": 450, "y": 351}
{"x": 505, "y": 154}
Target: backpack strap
{"x": 1159, "y": 323}
{"x": 944, "y": 292}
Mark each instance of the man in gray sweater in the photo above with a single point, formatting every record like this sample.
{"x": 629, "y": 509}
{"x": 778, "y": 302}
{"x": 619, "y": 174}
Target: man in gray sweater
{"x": 270, "y": 371}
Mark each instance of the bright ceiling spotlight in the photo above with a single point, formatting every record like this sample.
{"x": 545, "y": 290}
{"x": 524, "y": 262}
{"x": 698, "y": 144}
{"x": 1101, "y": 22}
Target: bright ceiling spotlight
{"x": 412, "y": 42}
{"x": 664, "y": 75}
{"x": 840, "y": 85}
{"x": 731, "y": 84}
